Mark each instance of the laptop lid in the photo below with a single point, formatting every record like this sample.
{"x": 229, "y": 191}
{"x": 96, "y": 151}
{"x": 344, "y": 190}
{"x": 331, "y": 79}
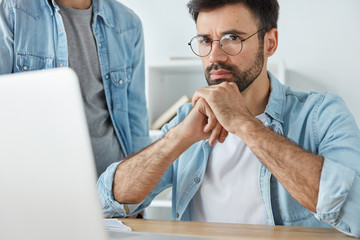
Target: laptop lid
{"x": 47, "y": 171}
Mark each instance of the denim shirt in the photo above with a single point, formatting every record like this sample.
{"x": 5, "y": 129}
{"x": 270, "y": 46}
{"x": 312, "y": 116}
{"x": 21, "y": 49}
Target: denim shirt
{"x": 33, "y": 38}
{"x": 319, "y": 123}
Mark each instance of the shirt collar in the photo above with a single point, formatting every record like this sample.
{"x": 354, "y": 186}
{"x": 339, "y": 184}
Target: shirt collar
{"x": 276, "y": 105}
{"x": 51, "y": 4}
{"x": 100, "y": 10}
{"x": 96, "y": 4}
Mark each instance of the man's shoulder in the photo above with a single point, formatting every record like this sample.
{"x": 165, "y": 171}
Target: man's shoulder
{"x": 313, "y": 96}
{"x": 123, "y": 18}
{"x": 118, "y": 7}
{"x": 315, "y": 102}
{"x": 31, "y": 8}
{"x": 302, "y": 96}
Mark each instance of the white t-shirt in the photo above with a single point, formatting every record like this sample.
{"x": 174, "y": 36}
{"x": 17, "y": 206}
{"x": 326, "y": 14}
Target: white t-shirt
{"x": 230, "y": 190}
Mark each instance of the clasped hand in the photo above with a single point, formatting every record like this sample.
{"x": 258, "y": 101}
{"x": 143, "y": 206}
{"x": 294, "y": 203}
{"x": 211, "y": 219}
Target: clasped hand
{"x": 217, "y": 110}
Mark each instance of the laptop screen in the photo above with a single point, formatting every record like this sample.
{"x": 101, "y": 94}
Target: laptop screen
{"x": 47, "y": 171}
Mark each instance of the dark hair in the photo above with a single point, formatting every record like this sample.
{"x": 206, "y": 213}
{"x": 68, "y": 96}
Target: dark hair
{"x": 265, "y": 12}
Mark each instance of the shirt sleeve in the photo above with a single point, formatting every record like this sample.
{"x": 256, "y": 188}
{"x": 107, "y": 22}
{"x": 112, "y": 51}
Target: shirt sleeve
{"x": 339, "y": 144}
{"x": 110, "y": 206}
{"x": 6, "y": 37}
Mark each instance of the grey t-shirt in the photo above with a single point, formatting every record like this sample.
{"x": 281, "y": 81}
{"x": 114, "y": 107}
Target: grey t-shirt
{"x": 84, "y": 60}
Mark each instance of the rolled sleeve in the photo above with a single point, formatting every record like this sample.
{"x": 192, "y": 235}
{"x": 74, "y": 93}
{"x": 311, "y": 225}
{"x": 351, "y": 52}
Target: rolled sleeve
{"x": 111, "y": 207}
{"x": 338, "y": 200}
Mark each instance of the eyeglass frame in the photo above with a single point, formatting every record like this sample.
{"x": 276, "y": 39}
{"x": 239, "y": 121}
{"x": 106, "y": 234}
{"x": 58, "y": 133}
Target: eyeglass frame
{"x": 211, "y": 43}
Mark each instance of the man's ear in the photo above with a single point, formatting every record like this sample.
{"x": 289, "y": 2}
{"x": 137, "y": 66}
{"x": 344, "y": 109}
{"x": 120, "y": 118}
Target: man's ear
{"x": 270, "y": 42}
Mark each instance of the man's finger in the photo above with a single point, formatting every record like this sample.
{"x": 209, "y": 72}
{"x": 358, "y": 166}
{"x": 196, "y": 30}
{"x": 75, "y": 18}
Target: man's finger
{"x": 204, "y": 108}
{"x": 223, "y": 135}
{"x": 215, "y": 134}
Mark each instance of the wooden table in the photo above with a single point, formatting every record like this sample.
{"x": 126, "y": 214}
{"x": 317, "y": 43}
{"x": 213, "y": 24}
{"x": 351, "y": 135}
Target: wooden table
{"x": 232, "y": 231}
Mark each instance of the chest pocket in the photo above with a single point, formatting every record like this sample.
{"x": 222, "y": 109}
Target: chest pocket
{"x": 30, "y": 62}
{"x": 120, "y": 80}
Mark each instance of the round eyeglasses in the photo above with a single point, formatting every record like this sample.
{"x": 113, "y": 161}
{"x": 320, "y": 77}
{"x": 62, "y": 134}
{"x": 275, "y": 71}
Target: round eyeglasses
{"x": 230, "y": 43}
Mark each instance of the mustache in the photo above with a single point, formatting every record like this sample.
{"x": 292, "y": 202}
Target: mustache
{"x": 217, "y": 66}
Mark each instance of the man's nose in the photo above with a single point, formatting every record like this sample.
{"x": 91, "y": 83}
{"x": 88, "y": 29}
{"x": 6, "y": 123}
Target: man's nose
{"x": 217, "y": 54}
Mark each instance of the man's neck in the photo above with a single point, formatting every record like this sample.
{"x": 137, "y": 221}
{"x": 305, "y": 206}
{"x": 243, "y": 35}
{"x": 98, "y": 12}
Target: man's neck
{"x": 257, "y": 95}
{"x": 76, "y": 4}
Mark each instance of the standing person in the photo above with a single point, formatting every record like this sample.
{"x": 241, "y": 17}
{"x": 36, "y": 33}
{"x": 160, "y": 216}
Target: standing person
{"x": 248, "y": 149}
{"x": 102, "y": 40}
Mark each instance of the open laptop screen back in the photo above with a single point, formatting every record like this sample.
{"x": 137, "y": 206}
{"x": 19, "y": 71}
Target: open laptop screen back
{"x": 47, "y": 171}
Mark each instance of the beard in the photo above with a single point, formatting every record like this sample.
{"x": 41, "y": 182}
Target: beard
{"x": 243, "y": 79}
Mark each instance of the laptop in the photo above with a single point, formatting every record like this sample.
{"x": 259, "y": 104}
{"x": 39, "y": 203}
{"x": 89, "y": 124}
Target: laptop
{"x": 47, "y": 170}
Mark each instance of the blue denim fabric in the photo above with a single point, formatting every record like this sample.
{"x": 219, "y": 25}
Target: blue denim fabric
{"x": 318, "y": 122}
{"x": 32, "y": 37}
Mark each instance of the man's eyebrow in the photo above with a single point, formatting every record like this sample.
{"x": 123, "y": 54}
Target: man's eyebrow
{"x": 203, "y": 35}
{"x": 234, "y": 31}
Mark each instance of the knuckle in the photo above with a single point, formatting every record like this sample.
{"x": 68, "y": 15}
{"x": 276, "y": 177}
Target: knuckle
{"x": 197, "y": 93}
{"x": 200, "y": 101}
{"x": 212, "y": 119}
{"x": 213, "y": 94}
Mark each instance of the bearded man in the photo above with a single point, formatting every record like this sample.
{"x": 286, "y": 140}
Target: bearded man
{"x": 248, "y": 149}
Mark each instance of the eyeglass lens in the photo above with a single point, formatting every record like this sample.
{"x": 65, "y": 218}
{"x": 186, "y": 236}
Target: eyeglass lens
{"x": 231, "y": 44}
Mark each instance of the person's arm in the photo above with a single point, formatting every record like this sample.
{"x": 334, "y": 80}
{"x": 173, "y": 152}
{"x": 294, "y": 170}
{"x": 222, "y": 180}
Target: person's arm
{"x": 297, "y": 170}
{"x": 6, "y": 38}
{"x": 138, "y": 175}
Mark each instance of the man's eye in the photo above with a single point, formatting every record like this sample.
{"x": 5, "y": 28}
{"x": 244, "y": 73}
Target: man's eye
{"x": 205, "y": 41}
{"x": 233, "y": 37}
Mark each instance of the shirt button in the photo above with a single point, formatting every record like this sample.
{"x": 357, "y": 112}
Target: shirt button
{"x": 99, "y": 45}
{"x": 197, "y": 180}
{"x": 60, "y": 30}
{"x": 107, "y": 76}
{"x": 61, "y": 64}
{"x": 277, "y": 115}
{"x": 121, "y": 82}
{"x": 25, "y": 68}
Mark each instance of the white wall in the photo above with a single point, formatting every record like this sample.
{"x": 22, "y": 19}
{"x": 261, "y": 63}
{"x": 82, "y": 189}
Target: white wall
{"x": 167, "y": 26}
{"x": 319, "y": 40}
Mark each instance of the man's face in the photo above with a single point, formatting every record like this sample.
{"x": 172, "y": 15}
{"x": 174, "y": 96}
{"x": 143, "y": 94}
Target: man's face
{"x": 243, "y": 68}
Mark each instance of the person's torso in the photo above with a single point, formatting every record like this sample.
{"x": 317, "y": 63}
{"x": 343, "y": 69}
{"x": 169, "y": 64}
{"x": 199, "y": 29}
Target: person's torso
{"x": 83, "y": 59}
{"x": 285, "y": 111}
{"x": 40, "y": 43}
{"x": 230, "y": 190}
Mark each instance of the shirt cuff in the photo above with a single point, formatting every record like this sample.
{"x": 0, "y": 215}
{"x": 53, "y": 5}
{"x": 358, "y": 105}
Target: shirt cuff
{"x": 111, "y": 207}
{"x": 338, "y": 198}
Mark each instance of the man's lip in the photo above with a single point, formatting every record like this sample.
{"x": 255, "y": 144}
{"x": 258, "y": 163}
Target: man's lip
{"x": 218, "y": 74}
